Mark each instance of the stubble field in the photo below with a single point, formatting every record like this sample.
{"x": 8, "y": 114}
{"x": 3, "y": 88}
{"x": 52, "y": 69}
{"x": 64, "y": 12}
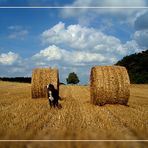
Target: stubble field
{"x": 32, "y": 119}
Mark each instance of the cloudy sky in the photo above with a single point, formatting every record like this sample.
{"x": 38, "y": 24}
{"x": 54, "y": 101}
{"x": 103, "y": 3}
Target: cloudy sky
{"x": 72, "y": 39}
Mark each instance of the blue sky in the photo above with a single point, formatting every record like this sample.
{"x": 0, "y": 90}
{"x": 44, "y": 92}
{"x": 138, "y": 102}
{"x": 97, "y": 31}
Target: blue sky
{"x": 70, "y": 39}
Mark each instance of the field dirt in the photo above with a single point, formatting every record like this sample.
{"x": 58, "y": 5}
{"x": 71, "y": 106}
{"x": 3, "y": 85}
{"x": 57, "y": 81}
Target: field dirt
{"x": 23, "y": 118}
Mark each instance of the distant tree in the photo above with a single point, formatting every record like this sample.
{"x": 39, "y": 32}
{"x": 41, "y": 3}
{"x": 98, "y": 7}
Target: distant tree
{"x": 72, "y": 78}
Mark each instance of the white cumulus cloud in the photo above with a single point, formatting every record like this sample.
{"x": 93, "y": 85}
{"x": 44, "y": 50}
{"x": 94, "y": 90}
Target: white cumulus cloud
{"x": 8, "y": 58}
{"x": 83, "y": 40}
{"x": 50, "y": 53}
{"x": 141, "y": 37}
{"x": 85, "y": 16}
{"x": 65, "y": 57}
{"x": 77, "y": 37}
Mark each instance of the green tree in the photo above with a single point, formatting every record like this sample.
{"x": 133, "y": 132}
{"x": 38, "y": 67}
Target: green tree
{"x": 137, "y": 66}
{"x": 72, "y": 78}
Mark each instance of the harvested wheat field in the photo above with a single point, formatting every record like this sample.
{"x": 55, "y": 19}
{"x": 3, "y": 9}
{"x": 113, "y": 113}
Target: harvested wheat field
{"x": 32, "y": 119}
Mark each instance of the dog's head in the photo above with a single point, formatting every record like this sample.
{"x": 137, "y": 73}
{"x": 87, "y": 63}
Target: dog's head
{"x": 50, "y": 87}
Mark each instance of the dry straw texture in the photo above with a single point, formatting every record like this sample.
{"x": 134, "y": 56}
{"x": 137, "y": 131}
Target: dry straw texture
{"x": 109, "y": 85}
{"x": 40, "y": 78}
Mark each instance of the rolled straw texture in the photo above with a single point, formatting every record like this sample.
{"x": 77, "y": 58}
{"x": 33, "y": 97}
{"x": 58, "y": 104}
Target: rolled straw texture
{"x": 109, "y": 85}
{"x": 40, "y": 78}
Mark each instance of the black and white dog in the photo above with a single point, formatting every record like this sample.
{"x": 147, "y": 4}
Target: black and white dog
{"x": 53, "y": 96}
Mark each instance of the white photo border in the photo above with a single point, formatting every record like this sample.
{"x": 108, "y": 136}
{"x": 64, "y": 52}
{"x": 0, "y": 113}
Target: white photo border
{"x": 71, "y": 7}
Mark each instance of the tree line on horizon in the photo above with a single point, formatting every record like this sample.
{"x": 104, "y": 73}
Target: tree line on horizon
{"x": 137, "y": 67}
{"x": 16, "y": 79}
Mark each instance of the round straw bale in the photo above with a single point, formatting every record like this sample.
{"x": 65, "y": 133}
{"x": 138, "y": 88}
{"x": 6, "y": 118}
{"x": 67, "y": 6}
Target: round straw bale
{"x": 40, "y": 78}
{"x": 109, "y": 85}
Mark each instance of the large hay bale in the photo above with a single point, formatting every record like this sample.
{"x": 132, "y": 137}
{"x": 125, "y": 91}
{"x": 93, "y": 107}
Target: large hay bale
{"x": 40, "y": 78}
{"x": 109, "y": 85}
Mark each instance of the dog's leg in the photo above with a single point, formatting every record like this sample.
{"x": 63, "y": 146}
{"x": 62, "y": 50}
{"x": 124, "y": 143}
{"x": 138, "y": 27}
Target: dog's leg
{"x": 50, "y": 103}
{"x": 54, "y": 103}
